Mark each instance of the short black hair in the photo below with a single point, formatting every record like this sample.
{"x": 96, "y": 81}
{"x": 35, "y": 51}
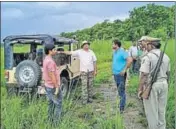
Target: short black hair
{"x": 117, "y": 42}
{"x": 48, "y": 47}
{"x": 46, "y": 51}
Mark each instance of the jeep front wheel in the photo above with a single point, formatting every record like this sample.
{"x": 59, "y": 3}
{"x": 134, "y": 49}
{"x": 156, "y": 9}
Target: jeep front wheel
{"x": 64, "y": 86}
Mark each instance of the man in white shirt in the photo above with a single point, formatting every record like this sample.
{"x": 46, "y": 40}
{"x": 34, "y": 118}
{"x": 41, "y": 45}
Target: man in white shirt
{"x": 88, "y": 69}
{"x": 133, "y": 52}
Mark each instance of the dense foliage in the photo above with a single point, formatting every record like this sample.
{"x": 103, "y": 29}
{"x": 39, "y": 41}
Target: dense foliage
{"x": 151, "y": 19}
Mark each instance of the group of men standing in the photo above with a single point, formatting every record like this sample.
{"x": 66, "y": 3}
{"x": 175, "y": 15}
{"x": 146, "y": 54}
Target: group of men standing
{"x": 147, "y": 51}
{"x": 51, "y": 77}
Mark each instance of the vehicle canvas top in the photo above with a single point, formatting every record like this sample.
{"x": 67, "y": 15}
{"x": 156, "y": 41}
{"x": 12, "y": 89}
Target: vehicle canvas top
{"x": 40, "y": 39}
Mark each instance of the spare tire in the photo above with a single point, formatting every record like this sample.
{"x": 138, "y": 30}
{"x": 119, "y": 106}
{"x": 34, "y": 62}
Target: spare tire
{"x": 28, "y": 73}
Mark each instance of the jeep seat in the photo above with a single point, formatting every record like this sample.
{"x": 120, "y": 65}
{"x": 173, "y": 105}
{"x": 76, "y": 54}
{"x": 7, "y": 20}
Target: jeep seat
{"x": 60, "y": 49}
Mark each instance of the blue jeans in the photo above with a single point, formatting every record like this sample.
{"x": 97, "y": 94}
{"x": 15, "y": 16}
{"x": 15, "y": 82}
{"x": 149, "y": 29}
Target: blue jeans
{"x": 54, "y": 104}
{"x": 120, "y": 82}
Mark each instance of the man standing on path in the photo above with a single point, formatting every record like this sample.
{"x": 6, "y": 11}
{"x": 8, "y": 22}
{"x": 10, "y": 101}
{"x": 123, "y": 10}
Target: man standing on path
{"x": 121, "y": 62}
{"x": 52, "y": 84}
{"x": 155, "y": 105}
{"x": 88, "y": 69}
{"x": 133, "y": 52}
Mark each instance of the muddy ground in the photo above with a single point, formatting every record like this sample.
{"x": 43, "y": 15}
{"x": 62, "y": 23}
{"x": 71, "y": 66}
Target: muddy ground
{"x": 133, "y": 117}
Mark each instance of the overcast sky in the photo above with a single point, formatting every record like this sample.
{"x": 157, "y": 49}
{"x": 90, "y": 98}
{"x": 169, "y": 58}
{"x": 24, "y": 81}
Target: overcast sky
{"x": 56, "y": 17}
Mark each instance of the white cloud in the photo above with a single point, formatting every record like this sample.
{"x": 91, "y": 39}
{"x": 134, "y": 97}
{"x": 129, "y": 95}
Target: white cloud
{"x": 53, "y": 4}
{"x": 12, "y": 13}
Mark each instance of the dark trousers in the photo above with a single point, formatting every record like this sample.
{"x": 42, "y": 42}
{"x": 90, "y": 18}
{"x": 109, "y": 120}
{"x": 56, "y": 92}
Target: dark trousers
{"x": 134, "y": 69}
{"x": 135, "y": 66}
{"x": 120, "y": 82}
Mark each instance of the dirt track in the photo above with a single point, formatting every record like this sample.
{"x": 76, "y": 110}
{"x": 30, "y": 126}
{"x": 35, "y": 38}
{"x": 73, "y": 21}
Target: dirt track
{"x": 133, "y": 116}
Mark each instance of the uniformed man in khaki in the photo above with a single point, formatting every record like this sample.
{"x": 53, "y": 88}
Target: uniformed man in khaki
{"x": 155, "y": 105}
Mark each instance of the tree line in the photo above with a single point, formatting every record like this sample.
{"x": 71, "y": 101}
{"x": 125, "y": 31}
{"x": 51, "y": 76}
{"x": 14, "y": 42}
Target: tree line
{"x": 151, "y": 19}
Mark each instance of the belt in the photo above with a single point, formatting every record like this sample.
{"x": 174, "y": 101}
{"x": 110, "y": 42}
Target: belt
{"x": 86, "y": 72}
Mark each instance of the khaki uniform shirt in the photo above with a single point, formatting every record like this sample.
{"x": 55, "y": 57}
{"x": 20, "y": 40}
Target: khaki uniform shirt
{"x": 149, "y": 62}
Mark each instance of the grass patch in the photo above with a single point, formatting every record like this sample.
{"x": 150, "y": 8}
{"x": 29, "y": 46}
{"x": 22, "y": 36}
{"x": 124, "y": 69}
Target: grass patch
{"x": 33, "y": 115}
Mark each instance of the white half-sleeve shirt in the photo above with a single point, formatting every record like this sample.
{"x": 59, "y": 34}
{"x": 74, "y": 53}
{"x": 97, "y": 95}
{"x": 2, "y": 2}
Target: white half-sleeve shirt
{"x": 133, "y": 51}
{"x": 87, "y": 59}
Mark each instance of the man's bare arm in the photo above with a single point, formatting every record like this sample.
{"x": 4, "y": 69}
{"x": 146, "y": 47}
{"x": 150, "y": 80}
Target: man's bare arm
{"x": 143, "y": 81}
{"x": 66, "y": 52}
{"x": 95, "y": 67}
{"x": 129, "y": 61}
{"x": 73, "y": 53}
{"x": 128, "y": 64}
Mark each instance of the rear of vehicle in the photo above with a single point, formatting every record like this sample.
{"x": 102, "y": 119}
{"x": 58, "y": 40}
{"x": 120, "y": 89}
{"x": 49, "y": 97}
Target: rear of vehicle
{"x": 24, "y": 60}
{"x": 22, "y": 72}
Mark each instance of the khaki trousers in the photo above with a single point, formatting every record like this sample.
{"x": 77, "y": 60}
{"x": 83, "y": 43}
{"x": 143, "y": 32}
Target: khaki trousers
{"x": 155, "y": 106}
{"x": 87, "y": 85}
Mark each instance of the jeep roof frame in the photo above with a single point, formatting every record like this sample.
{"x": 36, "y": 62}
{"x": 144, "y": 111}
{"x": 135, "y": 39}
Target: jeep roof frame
{"x": 40, "y": 39}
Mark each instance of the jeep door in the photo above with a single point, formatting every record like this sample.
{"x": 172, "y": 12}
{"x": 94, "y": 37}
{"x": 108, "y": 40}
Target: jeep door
{"x": 75, "y": 62}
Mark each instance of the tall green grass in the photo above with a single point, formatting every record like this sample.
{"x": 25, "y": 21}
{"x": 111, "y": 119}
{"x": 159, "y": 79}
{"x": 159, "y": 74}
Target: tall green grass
{"x": 18, "y": 113}
{"x": 2, "y": 66}
{"x": 170, "y": 118}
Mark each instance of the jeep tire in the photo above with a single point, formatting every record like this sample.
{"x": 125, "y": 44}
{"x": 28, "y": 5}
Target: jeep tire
{"x": 28, "y": 73}
{"x": 64, "y": 86}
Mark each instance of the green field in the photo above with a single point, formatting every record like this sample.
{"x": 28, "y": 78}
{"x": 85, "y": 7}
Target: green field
{"x": 18, "y": 113}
